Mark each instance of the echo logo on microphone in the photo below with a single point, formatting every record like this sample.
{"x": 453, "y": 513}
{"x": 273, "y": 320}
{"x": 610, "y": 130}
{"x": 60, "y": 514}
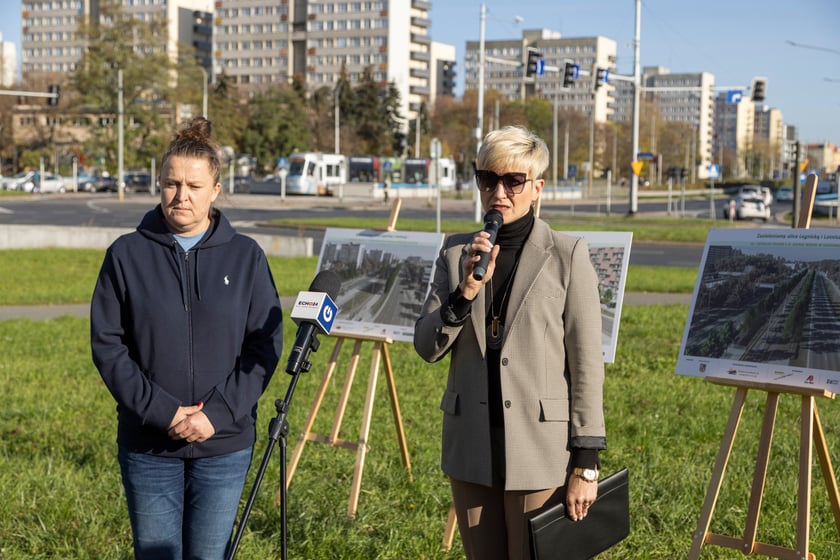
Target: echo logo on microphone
{"x": 317, "y": 308}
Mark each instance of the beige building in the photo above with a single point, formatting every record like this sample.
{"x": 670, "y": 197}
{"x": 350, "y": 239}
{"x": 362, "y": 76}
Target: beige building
{"x": 261, "y": 42}
{"x": 8, "y": 63}
{"x": 505, "y": 61}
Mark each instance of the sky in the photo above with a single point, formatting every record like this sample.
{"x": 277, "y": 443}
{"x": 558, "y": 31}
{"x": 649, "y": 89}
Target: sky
{"x": 795, "y": 45}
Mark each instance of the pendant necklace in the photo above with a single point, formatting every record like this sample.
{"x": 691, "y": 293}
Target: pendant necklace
{"x": 496, "y": 328}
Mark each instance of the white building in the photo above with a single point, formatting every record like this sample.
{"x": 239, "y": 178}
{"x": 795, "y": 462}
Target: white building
{"x": 8, "y": 63}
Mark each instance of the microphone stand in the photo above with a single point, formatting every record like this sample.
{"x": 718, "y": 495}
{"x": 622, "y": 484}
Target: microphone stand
{"x": 278, "y": 429}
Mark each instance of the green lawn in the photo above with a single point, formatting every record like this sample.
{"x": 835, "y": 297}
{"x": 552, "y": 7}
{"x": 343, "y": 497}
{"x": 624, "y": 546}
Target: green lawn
{"x": 60, "y": 494}
{"x": 61, "y": 276}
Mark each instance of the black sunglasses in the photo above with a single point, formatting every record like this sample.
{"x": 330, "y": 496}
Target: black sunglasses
{"x": 487, "y": 181}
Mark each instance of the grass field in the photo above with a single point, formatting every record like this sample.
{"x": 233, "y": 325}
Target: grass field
{"x": 60, "y": 495}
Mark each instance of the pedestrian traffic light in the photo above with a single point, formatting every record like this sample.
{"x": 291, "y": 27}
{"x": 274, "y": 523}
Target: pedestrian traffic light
{"x": 531, "y": 66}
{"x": 759, "y": 85}
{"x": 570, "y": 74}
{"x": 683, "y": 173}
{"x": 602, "y": 76}
{"x": 55, "y": 90}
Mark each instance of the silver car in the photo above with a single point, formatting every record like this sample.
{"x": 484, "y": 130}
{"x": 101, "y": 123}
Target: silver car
{"x": 48, "y": 183}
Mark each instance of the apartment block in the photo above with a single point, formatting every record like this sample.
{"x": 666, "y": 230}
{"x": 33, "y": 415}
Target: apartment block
{"x": 51, "y": 45}
{"x": 263, "y": 42}
{"x": 686, "y": 98}
{"x": 8, "y": 63}
{"x": 504, "y": 69}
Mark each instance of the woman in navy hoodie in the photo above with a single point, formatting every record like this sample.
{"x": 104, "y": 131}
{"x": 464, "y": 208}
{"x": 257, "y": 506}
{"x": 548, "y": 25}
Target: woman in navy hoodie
{"x": 186, "y": 331}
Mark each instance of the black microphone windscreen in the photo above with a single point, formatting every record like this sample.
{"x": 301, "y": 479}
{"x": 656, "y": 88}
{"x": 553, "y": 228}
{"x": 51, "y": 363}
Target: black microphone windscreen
{"x": 326, "y": 281}
{"x": 495, "y": 217}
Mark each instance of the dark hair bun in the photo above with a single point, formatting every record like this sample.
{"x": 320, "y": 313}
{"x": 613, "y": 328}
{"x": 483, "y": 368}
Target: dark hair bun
{"x": 198, "y": 130}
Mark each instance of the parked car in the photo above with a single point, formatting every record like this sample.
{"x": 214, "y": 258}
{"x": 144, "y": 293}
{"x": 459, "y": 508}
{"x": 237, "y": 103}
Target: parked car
{"x": 48, "y": 183}
{"x": 241, "y": 184}
{"x": 757, "y": 191}
{"x": 137, "y": 181}
{"x": 784, "y": 194}
{"x": 105, "y": 183}
{"x": 747, "y": 207}
{"x": 23, "y": 181}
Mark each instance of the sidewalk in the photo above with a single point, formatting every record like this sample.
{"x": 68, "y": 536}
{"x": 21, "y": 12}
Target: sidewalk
{"x": 41, "y": 312}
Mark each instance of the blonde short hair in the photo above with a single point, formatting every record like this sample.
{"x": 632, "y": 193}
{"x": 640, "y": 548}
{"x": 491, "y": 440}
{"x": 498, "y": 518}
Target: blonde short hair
{"x": 513, "y": 148}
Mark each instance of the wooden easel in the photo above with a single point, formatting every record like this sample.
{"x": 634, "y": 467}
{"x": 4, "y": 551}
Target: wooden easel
{"x": 810, "y": 433}
{"x": 380, "y": 354}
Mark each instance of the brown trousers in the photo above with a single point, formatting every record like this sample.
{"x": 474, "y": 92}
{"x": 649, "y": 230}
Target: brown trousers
{"x": 493, "y": 523}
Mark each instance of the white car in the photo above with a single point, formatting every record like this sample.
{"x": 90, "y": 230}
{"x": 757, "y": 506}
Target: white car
{"x": 48, "y": 183}
{"x": 23, "y": 181}
{"x": 757, "y": 191}
{"x": 747, "y": 207}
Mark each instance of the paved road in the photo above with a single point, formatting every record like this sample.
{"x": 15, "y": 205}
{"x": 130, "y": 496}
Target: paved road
{"x": 252, "y": 213}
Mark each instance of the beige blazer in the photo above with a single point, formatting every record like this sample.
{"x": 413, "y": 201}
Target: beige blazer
{"x": 552, "y": 368}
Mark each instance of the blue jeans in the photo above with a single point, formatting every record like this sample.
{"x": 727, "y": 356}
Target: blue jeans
{"x": 182, "y": 508}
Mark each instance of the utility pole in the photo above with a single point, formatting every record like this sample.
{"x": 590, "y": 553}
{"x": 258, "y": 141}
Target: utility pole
{"x": 120, "y": 126}
{"x": 637, "y": 87}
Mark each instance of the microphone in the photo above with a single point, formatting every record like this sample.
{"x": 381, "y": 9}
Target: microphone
{"x": 493, "y": 220}
{"x": 314, "y": 312}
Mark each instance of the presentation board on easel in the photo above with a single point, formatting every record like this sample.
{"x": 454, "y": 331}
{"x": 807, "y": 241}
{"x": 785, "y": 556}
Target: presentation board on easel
{"x": 384, "y": 281}
{"x": 755, "y": 312}
{"x": 776, "y": 280}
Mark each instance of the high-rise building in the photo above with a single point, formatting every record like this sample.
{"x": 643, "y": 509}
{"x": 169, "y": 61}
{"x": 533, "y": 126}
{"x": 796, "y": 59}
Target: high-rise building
{"x": 687, "y": 98}
{"x": 8, "y": 63}
{"x": 734, "y": 133}
{"x": 52, "y": 46}
{"x": 262, "y": 42}
{"x": 257, "y": 43}
{"x": 769, "y": 141}
{"x": 505, "y": 71}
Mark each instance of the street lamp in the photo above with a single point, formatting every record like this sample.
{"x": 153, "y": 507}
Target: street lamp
{"x": 479, "y": 134}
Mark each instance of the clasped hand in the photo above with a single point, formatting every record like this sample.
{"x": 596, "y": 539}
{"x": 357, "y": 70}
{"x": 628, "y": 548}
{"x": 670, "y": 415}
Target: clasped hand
{"x": 191, "y": 424}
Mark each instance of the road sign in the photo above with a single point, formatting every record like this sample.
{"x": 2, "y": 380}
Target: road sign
{"x": 283, "y": 163}
{"x": 540, "y": 67}
{"x": 734, "y": 96}
{"x": 637, "y": 167}
{"x": 572, "y": 171}
{"x": 646, "y": 156}
{"x": 714, "y": 171}
{"x": 434, "y": 148}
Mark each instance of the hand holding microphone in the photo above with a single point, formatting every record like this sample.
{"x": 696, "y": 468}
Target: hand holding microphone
{"x": 493, "y": 220}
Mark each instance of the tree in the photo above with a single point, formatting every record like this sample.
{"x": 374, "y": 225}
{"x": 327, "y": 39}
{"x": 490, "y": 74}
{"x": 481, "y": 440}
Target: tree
{"x": 277, "y": 126}
{"x": 127, "y": 44}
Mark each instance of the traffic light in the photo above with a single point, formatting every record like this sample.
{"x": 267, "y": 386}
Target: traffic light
{"x": 759, "y": 86}
{"x": 531, "y": 67}
{"x": 56, "y": 90}
{"x": 602, "y": 76}
{"x": 683, "y": 172}
{"x": 570, "y": 74}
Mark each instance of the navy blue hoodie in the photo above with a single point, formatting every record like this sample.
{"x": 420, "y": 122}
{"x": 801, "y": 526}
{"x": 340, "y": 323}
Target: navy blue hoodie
{"x": 171, "y": 328}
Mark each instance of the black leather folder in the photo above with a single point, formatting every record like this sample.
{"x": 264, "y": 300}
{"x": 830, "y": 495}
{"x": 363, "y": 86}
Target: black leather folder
{"x": 555, "y": 536}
